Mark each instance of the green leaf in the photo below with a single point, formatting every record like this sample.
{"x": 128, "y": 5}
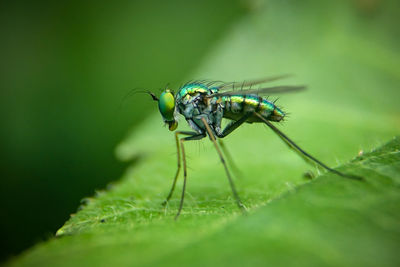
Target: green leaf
{"x": 350, "y": 107}
{"x": 328, "y": 221}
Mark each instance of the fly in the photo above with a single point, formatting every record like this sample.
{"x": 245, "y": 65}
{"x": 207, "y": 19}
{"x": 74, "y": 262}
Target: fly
{"x": 204, "y": 105}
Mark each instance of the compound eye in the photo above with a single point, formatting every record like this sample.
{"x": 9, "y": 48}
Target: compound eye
{"x": 166, "y": 105}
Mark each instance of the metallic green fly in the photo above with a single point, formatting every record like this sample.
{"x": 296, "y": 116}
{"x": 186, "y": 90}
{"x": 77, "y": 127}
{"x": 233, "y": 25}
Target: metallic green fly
{"x": 204, "y": 104}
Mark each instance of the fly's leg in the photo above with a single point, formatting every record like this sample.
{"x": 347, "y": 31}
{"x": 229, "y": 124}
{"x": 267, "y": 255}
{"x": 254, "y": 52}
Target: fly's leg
{"x": 179, "y": 162}
{"x": 184, "y": 180}
{"x": 235, "y": 194}
{"x": 236, "y": 170}
{"x": 233, "y": 125}
{"x": 192, "y": 136}
{"x": 195, "y": 136}
{"x": 303, "y": 153}
{"x": 227, "y": 130}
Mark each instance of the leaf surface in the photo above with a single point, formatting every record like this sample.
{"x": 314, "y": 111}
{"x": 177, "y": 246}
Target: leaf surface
{"x": 352, "y": 72}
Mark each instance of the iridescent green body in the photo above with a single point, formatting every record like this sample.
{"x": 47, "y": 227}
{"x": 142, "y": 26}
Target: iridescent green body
{"x": 205, "y": 104}
{"x": 235, "y": 106}
{"x": 198, "y": 100}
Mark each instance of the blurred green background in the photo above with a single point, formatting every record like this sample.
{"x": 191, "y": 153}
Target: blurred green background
{"x": 65, "y": 68}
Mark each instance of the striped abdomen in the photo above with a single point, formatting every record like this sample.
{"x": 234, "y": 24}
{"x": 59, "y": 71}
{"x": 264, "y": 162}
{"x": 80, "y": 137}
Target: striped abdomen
{"x": 236, "y": 106}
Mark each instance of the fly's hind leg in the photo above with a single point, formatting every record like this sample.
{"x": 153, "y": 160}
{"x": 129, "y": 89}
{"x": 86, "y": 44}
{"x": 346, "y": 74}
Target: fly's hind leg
{"x": 303, "y": 153}
{"x": 234, "y": 125}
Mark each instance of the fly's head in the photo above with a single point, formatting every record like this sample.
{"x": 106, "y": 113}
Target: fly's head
{"x": 166, "y": 105}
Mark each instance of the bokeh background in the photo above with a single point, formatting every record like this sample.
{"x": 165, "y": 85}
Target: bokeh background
{"x": 67, "y": 70}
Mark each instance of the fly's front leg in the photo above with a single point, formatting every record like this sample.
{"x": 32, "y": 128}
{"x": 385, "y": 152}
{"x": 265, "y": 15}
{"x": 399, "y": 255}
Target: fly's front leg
{"x": 179, "y": 162}
{"x": 193, "y": 137}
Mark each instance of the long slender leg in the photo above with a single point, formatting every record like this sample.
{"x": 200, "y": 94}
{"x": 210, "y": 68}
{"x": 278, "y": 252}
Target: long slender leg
{"x": 228, "y": 156}
{"x": 179, "y": 162}
{"x": 233, "y": 125}
{"x": 227, "y": 130}
{"x": 193, "y": 137}
{"x": 303, "y": 153}
{"x": 184, "y": 180}
{"x": 234, "y": 191}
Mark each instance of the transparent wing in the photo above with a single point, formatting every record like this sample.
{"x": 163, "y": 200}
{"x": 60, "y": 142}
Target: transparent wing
{"x": 249, "y": 84}
{"x": 261, "y": 91}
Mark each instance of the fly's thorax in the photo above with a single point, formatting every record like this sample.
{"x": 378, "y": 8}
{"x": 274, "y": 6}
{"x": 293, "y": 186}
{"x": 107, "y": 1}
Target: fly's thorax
{"x": 197, "y": 124}
{"x": 194, "y": 104}
{"x": 191, "y": 100}
{"x": 191, "y": 90}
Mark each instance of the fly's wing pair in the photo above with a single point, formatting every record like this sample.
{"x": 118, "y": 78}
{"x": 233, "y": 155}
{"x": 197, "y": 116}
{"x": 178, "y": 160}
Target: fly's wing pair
{"x": 245, "y": 88}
